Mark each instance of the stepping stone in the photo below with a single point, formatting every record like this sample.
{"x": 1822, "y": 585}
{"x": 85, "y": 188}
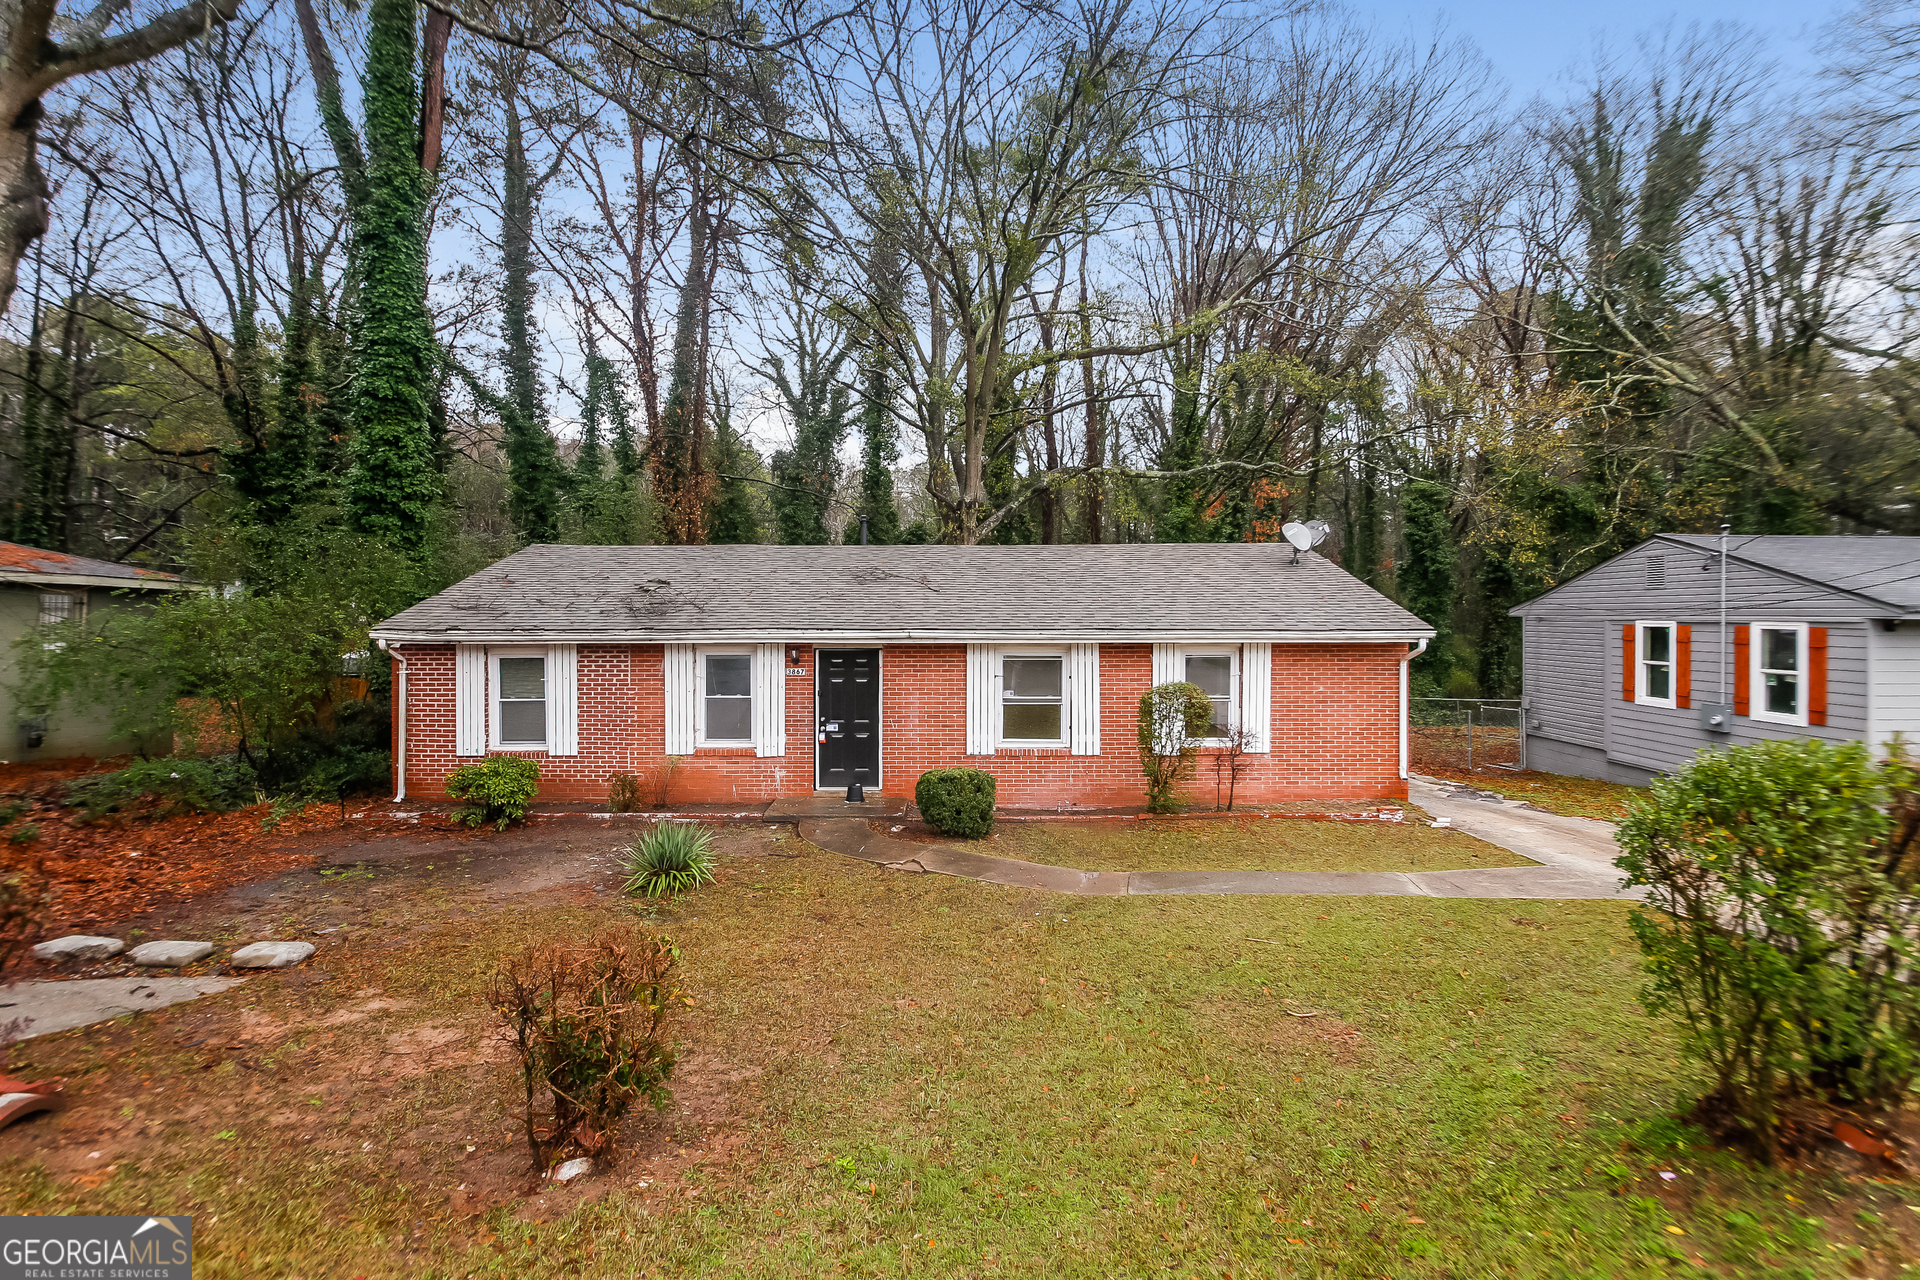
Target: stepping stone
{"x": 271, "y": 955}
{"x": 170, "y": 954}
{"x": 79, "y": 946}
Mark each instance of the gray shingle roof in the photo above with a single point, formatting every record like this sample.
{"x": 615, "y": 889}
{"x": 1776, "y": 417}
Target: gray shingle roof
{"x": 1880, "y": 568}
{"x": 1135, "y": 592}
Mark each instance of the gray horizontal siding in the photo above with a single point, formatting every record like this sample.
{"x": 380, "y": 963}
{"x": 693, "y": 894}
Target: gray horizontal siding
{"x": 1564, "y": 661}
{"x": 1664, "y": 739}
{"x": 1571, "y": 655}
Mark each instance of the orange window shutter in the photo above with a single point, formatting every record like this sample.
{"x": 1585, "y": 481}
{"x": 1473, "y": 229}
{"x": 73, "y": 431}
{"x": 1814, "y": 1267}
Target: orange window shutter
{"x": 1742, "y": 669}
{"x": 1683, "y": 666}
{"x": 1816, "y": 675}
{"x": 1626, "y": 662}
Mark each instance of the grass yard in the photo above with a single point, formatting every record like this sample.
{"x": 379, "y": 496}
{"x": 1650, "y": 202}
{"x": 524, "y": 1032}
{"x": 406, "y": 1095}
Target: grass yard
{"x": 1251, "y": 844}
{"x": 900, "y": 1075}
{"x": 1557, "y": 793}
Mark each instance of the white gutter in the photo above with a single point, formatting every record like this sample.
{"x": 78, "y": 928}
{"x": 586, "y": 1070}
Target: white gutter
{"x": 1406, "y": 665}
{"x": 797, "y": 636}
{"x": 400, "y": 724}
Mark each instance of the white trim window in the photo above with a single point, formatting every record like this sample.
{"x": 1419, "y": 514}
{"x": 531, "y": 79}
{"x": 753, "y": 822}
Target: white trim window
{"x": 1654, "y": 657}
{"x": 1217, "y": 672}
{"x": 723, "y": 697}
{"x": 1780, "y": 672}
{"x": 1033, "y": 699}
{"x": 519, "y": 680}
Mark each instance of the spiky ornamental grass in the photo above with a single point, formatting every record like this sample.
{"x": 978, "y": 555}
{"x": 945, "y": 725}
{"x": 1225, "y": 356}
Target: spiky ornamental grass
{"x": 669, "y": 860}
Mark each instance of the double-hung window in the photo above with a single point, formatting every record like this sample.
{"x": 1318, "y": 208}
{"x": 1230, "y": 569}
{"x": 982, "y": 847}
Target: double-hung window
{"x": 1217, "y": 674}
{"x": 1654, "y": 681}
{"x": 1033, "y": 710}
{"x": 1779, "y": 665}
{"x": 519, "y": 699}
{"x": 725, "y": 692}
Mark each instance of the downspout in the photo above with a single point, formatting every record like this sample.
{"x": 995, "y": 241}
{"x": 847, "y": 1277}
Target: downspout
{"x": 1406, "y": 665}
{"x": 399, "y": 723}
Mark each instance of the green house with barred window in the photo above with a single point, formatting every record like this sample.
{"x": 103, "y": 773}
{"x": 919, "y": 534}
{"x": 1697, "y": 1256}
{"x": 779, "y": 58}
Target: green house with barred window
{"x": 38, "y": 591}
{"x": 1690, "y": 641}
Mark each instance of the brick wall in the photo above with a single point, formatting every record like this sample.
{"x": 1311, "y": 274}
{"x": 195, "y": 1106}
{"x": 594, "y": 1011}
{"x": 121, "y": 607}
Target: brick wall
{"x": 1336, "y": 733}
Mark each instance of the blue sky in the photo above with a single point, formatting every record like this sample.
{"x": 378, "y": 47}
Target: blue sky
{"x": 1532, "y": 44}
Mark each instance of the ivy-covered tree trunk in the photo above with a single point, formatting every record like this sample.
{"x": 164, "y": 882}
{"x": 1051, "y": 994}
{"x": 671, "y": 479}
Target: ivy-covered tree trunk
{"x": 1426, "y": 577}
{"x": 534, "y": 476}
{"x": 879, "y": 450}
{"x": 393, "y": 485}
{"x": 1183, "y": 511}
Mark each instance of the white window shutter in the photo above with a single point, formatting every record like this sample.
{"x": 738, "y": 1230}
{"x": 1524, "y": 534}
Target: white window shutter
{"x": 982, "y": 691}
{"x": 769, "y": 700}
{"x": 1256, "y": 693}
{"x": 469, "y": 700}
{"x": 680, "y": 704}
{"x": 1083, "y": 690}
{"x": 563, "y": 700}
{"x": 1166, "y": 664}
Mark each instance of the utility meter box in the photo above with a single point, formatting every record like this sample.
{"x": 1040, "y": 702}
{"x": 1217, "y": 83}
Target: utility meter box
{"x": 1716, "y": 717}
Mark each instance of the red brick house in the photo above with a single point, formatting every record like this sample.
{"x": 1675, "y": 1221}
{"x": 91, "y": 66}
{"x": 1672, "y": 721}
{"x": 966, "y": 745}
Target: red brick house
{"x": 776, "y": 671}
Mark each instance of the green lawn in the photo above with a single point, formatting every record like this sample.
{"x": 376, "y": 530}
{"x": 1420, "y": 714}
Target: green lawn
{"x": 906, "y": 1075}
{"x": 1557, "y": 793}
{"x": 1250, "y": 844}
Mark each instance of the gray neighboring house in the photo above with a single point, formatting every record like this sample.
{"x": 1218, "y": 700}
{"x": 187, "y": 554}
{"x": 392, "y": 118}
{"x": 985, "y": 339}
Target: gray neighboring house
{"x": 39, "y": 589}
{"x": 1622, "y": 666}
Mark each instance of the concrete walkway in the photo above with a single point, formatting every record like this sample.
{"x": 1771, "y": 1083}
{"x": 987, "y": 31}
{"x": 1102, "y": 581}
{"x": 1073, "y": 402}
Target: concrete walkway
{"x": 1575, "y": 856}
{"x": 55, "y": 1004}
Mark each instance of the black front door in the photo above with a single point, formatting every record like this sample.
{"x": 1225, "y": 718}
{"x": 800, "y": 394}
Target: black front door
{"x": 847, "y": 706}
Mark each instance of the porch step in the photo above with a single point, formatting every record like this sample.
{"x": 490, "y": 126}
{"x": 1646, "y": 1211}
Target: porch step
{"x": 834, "y": 805}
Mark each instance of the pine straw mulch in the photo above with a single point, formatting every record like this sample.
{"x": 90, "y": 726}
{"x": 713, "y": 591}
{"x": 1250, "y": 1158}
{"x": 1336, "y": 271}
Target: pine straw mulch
{"x": 109, "y": 871}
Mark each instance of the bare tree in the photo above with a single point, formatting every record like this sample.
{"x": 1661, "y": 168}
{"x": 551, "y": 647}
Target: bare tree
{"x": 36, "y": 63}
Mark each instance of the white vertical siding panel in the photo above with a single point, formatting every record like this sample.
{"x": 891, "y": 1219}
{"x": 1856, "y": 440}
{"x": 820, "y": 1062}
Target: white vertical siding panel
{"x": 1166, "y": 664}
{"x": 769, "y": 700}
{"x": 981, "y": 697}
{"x": 469, "y": 700}
{"x": 679, "y": 699}
{"x": 1256, "y": 693}
{"x": 563, "y": 700}
{"x": 1083, "y": 686}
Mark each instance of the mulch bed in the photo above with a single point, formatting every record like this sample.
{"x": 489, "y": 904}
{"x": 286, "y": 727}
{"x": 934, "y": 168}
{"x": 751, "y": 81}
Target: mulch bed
{"x": 109, "y": 871}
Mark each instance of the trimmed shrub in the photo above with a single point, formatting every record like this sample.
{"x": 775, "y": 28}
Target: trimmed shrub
{"x": 170, "y": 785}
{"x": 670, "y": 859}
{"x": 956, "y": 802}
{"x": 1173, "y": 717}
{"x": 497, "y": 790}
{"x": 587, "y": 1024}
{"x": 1782, "y": 926}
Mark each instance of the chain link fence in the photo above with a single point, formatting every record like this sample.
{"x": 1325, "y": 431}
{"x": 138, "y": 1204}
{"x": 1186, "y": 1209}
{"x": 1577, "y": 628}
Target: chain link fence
{"x": 1470, "y": 734}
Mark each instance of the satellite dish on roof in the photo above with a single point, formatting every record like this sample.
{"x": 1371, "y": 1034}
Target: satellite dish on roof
{"x": 1304, "y": 537}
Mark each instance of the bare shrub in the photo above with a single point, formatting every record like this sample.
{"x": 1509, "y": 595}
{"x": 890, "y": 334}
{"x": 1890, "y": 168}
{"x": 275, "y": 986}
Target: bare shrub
{"x": 586, "y": 1021}
{"x": 1230, "y": 763}
{"x": 655, "y": 782}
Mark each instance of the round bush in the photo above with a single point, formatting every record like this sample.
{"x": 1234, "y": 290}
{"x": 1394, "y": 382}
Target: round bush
{"x": 956, "y": 802}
